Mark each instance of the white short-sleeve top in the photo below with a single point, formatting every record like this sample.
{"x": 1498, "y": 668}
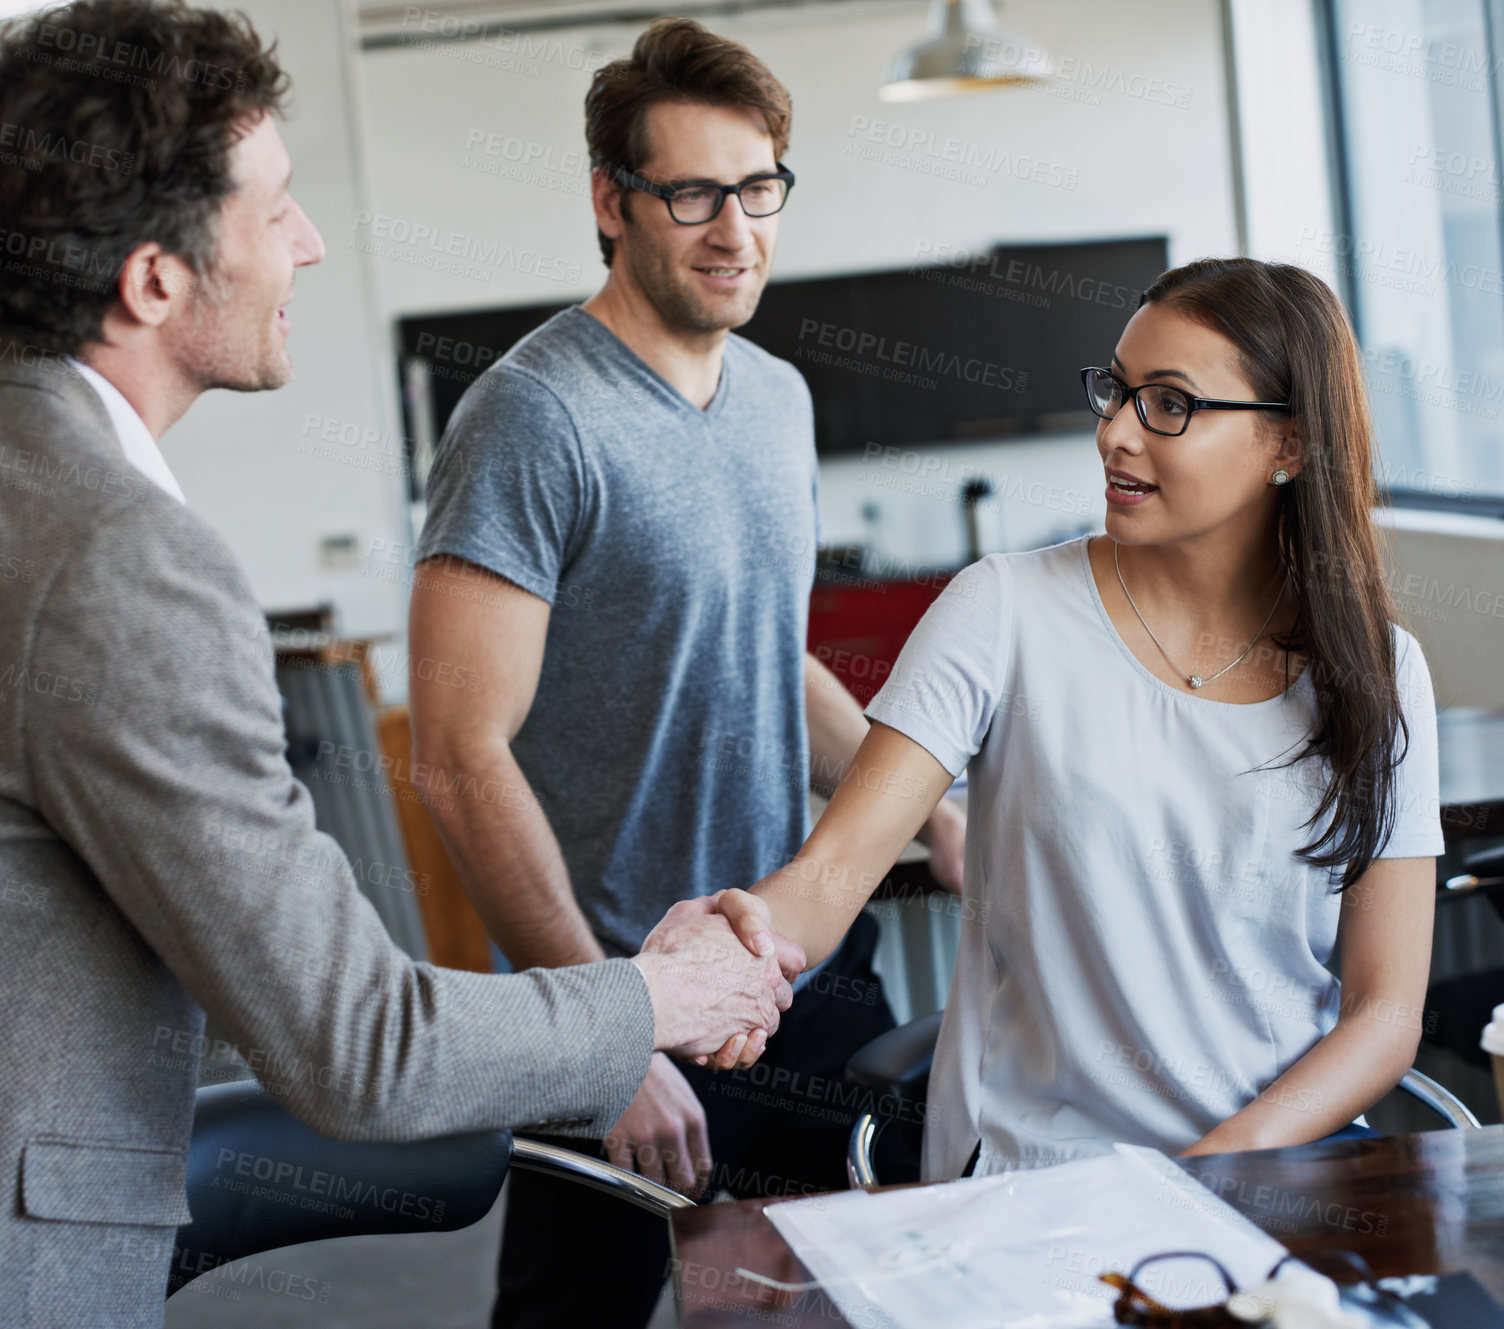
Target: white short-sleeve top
{"x": 1143, "y": 951}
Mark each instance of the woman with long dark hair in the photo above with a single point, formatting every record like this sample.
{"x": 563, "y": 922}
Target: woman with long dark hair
{"x": 1200, "y": 750}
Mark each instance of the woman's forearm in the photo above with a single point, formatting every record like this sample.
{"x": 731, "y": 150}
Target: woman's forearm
{"x": 888, "y": 792}
{"x": 1385, "y": 940}
{"x": 1344, "y": 1074}
{"x": 814, "y": 902}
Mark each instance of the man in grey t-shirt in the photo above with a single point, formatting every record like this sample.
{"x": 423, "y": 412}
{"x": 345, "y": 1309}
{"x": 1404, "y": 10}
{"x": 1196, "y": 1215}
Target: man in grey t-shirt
{"x": 666, "y": 742}
{"x": 618, "y": 557}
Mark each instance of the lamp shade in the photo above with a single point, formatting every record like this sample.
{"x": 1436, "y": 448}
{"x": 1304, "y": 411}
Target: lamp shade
{"x": 965, "y": 51}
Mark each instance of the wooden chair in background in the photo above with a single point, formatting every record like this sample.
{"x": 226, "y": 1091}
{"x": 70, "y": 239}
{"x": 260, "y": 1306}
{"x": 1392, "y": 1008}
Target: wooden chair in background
{"x": 456, "y": 936}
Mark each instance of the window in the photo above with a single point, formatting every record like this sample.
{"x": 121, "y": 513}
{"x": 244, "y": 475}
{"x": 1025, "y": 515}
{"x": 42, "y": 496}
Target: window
{"x": 1421, "y": 247}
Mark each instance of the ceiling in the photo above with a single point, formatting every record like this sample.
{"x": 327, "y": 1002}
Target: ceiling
{"x": 387, "y": 17}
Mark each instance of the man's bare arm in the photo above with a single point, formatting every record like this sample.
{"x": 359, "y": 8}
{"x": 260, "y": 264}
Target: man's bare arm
{"x": 837, "y": 729}
{"x": 485, "y": 628}
{"x": 836, "y": 726}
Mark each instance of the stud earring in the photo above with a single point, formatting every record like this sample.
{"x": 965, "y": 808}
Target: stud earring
{"x": 1280, "y": 477}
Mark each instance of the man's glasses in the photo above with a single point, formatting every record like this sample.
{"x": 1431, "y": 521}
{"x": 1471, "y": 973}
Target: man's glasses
{"x": 1161, "y": 408}
{"x": 701, "y": 201}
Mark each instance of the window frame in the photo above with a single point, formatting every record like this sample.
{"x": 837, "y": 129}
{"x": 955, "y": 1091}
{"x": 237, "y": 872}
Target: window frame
{"x": 1338, "y": 137}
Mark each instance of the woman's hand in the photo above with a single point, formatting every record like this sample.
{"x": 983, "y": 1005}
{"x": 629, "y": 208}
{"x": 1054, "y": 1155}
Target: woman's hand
{"x": 707, "y": 986}
{"x": 752, "y": 921}
{"x": 888, "y": 792}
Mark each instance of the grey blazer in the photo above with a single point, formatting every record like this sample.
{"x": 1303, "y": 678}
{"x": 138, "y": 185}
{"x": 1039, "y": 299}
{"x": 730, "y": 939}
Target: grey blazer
{"x": 158, "y": 860}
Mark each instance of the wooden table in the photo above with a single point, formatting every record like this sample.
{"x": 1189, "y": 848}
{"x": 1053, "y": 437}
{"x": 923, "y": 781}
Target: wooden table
{"x": 1409, "y": 1204}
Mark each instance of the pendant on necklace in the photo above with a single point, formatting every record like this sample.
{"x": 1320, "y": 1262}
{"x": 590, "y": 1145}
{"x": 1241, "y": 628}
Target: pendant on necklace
{"x": 1197, "y": 680}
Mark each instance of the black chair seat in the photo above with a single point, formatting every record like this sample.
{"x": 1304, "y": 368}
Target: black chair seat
{"x": 898, "y": 1062}
{"x": 258, "y": 1179}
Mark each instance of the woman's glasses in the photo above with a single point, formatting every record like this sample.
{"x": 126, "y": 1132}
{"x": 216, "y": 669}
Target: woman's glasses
{"x": 1161, "y": 408}
{"x": 700, "y": 201}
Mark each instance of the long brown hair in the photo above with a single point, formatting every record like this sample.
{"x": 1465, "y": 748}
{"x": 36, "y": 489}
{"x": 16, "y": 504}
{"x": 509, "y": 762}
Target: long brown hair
{"x": 1295, "y": 344}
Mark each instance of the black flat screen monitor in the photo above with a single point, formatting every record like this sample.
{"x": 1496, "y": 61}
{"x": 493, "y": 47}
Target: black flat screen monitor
{"x": 961, "y": 347}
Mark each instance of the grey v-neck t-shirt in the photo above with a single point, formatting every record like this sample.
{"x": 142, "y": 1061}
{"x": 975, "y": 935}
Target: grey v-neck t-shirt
{"x": 667, "y": 742}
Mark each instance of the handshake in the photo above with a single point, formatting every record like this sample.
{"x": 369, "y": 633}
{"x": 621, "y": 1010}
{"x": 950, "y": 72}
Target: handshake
{"x": 719, "y": 976}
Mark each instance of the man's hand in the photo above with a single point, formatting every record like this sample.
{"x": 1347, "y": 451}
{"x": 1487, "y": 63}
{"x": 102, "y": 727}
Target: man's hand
{"x": 709, "y": 987}
{"x": 945, "y": 835}
{"x": 752, "y": 921}
{"x": 662, "y": 1136}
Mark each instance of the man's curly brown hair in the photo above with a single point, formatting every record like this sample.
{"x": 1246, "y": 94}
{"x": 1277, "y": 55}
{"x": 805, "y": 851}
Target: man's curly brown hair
{"x": 117, "y": 121}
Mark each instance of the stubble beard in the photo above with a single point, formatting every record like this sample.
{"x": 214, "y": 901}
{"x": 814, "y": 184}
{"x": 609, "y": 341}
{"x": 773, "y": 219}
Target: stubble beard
{"x": 681, "y": 310}
{"x": 218, "y": 356}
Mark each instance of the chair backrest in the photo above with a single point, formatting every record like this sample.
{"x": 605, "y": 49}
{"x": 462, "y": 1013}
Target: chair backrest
{"x": 897, "y": 1063}
{"x": 258, "y": 1178}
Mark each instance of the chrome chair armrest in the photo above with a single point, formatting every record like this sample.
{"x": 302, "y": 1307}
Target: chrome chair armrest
{"x": 860, "y": 1172}
{"x": 895, "y": 1064}
{"x": 1441, "y": 1100}
{"x": 898, "y": 1062}
{"x": 1466, "y": 882}
{"x": 1482, "y": 870}
{"x": 535, "y": 1156}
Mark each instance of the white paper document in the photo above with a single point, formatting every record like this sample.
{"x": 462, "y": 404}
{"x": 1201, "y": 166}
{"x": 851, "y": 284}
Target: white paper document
{"x": 1023, "y": 1250}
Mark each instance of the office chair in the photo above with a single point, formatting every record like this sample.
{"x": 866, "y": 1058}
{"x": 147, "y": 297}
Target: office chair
{"x": 258, "y": 1179}
{"x": 1457, "y": 1008}
{"x": 896, "y": 1065}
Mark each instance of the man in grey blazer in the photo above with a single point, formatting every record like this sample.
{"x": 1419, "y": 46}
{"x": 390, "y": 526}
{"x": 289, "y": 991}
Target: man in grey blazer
{"x": 157, "y": 857}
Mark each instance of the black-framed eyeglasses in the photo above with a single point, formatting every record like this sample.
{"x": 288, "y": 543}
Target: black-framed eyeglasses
{"x": 696, "y": 202}
{"x": 1161, "y": 408}
{"x": 1135, "y": 1306}
{"x": 1357, "y": 1287}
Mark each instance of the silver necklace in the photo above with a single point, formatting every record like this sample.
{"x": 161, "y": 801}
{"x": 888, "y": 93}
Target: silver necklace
{"x": 1195, "y": 680}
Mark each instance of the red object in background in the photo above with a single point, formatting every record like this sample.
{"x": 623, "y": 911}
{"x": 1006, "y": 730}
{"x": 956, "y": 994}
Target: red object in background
{"x": 857, "y": 631}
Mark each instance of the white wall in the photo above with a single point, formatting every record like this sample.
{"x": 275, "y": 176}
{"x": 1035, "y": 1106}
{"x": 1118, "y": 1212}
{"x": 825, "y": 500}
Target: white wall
{"x": 386, "y": 142}
{"x": 1446, "y": 574}
{"x": 429, "y": 112}
{"x": 483, "y": 146}
{"x": 250, "y": 464}
{"x": 381, "y": 137}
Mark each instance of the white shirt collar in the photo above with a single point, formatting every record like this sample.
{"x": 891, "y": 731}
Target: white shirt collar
{"x": 136, "y": 442}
